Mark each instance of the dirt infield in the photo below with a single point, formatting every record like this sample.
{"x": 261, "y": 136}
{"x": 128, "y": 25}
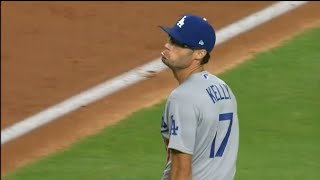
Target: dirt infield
{"x": 53, "y": 50}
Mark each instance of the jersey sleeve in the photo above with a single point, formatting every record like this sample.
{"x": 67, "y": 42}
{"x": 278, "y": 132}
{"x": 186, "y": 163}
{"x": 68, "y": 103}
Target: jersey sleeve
{"x": 183, "y": 124}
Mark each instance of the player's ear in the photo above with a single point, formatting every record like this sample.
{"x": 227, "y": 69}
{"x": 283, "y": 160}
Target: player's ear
{"x": 199, "y": 54}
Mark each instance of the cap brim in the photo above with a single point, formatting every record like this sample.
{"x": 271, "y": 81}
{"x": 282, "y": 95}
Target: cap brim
{"x": 165, "y": 29}
{"x": 174, "y": 34}
{"x": 170, "y": 32}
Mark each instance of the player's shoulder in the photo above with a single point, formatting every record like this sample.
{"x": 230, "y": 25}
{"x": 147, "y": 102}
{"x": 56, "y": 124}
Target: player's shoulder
{"x": 217, "y": 80}
{"x": 196, "y": 83}
{"x": 191, "y": 86}
{"x": 213, "y": 78}
{"x": 183, "y": 92}
{"x": 179, "y": 94}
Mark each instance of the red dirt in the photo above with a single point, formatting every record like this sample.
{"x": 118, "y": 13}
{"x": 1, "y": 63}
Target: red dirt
{"x": 53, "y": 50}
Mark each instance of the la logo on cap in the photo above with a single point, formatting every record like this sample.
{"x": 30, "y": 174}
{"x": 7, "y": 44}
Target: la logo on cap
{"x": 201, "y": 42}
{"x": 181, "y": 22}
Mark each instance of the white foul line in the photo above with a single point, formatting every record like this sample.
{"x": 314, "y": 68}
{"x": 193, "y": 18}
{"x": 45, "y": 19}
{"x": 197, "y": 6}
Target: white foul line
{"x": 138, "y": 74}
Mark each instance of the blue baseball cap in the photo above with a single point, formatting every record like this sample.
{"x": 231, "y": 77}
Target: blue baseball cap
{"x": 194, "y": 31}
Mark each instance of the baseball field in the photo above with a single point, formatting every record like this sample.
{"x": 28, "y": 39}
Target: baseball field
{"x": 279, "y": 126}
{"x": 51, "y": 51}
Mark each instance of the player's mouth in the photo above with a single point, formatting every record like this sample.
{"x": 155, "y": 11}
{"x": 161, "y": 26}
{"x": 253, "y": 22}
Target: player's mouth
{"x": 163, "y": 56}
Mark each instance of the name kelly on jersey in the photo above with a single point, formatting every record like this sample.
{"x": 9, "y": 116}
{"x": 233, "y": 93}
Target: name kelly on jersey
{"x": 218, "y": 92}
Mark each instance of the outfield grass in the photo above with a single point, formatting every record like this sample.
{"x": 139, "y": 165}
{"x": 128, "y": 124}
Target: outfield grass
{"x": 279, "y": 112}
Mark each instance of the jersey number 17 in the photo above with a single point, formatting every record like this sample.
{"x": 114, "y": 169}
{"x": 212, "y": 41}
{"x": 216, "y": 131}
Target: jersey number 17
{"x": 219, "y": 153}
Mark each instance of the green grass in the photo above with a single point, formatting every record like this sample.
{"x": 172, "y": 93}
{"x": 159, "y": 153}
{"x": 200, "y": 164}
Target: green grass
{"x": 132, "y": 148}
{"x": 279, "y": 111}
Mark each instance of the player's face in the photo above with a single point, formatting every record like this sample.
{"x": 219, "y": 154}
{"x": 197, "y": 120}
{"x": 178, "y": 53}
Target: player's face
{"x": 176, "y": 55}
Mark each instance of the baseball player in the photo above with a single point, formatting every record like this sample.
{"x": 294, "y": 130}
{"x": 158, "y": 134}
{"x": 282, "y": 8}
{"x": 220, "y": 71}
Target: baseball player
{"x": 200, "y": 121}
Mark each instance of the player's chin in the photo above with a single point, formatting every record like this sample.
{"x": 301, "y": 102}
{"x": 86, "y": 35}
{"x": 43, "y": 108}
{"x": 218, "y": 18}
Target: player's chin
{"x": 167, "y": 63}
{"x": 165, "y": 60}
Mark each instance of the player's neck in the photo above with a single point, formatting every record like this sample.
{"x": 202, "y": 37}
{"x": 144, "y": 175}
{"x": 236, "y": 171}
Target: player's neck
{"x": 183, "y": 74}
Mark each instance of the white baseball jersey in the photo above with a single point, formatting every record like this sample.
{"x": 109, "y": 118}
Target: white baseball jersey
{"x": 200, "y": 118}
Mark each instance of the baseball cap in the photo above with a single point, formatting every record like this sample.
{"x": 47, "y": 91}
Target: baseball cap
{"x": 194, "y": 31}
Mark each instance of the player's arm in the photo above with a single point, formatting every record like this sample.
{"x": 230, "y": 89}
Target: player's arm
{"x": 181, "y": 166}
{"x": 183, "y": 118}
